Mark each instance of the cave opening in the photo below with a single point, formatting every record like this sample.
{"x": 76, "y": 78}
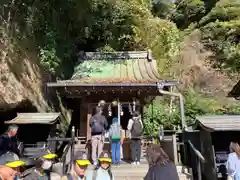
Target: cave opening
{"x": 9, "y": 113}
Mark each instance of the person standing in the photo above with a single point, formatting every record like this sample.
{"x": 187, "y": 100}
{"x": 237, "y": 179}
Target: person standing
{"x": 233, "y": 162}
{"x": 116, "y": 138}
{"x": 8, "y": 141}
{"x": 160, "y": 166}
{"x": 135, "y": 128}
{"x": 98, "y": 125}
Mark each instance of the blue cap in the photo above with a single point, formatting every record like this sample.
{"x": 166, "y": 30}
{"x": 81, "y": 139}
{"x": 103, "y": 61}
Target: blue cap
{"x": 115, "y": 119}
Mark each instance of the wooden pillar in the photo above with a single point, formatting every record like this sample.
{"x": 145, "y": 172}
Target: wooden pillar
{"x": 119, "y": 112}
{"x": 175, "y": 152}
{"x": 89, "y": 115}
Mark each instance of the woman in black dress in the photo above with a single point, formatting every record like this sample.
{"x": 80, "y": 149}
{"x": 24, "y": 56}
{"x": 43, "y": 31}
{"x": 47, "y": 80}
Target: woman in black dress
{"x": 160, "y": 166}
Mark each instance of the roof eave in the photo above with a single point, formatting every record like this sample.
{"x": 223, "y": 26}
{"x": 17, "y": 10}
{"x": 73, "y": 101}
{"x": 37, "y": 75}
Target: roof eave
{"x": 50, "y": 122}
{"x": 62, "y": 84}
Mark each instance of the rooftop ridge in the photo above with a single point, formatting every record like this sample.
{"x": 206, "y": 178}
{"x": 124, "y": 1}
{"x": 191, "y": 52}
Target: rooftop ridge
{"x": 118, "y": 55}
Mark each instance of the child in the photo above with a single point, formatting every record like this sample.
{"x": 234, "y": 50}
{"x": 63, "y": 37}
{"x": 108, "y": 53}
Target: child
{"x": 116, "y": 138}
{"x": 43, "y": 164}
{"x": 103, "y": 172}
{"x": 80, "y": 166}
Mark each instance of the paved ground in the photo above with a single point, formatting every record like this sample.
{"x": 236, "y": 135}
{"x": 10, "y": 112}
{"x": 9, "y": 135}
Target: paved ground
{"x": 130, "y": 172}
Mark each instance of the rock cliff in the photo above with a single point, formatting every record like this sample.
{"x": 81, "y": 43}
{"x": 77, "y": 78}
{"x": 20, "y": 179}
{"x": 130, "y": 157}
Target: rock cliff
{"x": 20, "y": 77}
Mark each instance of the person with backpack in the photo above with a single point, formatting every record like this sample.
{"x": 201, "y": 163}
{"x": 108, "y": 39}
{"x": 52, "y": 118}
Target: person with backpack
{"x": 103, "y": 171}
{"x": 135, "y": 128}
{"x": 98, "y": 125}
{"x": 80, "y": 166}
{"x": 116, "y": 139}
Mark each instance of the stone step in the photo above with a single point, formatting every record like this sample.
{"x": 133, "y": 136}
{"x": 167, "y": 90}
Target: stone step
{"x": 128, "y": 171}
{"x": 137, "y": 176}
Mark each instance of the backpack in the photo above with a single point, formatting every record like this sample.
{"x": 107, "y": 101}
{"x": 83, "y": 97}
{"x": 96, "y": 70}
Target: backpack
{"x": 95, "y": 172}
{"x": 115, "y": 131}
{"x": 97, "y": 126}
{"x": 137, "y": 128}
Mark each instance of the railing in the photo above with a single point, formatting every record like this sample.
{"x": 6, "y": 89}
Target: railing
{"x": 200, "y": 159}
{"x": 70, "y": 146}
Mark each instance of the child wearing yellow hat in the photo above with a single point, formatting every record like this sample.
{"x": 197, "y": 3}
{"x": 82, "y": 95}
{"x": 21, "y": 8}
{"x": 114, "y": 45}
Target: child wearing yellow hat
{"x": 104, "y": 170}
{"x": 80, "y": 166}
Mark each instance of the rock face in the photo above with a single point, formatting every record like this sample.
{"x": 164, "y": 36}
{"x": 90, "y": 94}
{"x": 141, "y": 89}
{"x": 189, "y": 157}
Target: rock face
{"x": 198, "y": 73}
{"x": 20, "y": 77}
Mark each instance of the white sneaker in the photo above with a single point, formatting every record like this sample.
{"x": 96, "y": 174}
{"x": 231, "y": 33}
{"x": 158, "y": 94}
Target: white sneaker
{"x": 133, "y": 163}
{"x": 138, "y": 163}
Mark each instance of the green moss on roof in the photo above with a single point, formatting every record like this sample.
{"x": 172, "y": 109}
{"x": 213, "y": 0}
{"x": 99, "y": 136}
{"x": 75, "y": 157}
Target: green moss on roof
{"x": 130, "y": 67}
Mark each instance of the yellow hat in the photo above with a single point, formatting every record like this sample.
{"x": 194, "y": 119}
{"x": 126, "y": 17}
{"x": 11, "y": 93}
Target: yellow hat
{"x": 105, "y": 157}
{"x": 15, "y": 164}
{"x": 46, "y": 154}
{"x": 11, "y": 160}
{"x": 81, "y": 159}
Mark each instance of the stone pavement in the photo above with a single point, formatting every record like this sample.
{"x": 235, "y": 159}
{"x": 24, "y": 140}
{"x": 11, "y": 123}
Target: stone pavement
{"x": 127, "y": 171}
{"x": 130, "y": 172}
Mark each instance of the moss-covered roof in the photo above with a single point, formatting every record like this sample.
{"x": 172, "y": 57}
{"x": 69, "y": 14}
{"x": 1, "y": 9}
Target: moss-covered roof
{"x": 127, "y": 67}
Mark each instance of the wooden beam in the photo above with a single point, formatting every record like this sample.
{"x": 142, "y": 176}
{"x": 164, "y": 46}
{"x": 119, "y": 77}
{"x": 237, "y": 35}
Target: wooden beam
{"x": 89, "y": 115}
{"x": 107, "y": 89}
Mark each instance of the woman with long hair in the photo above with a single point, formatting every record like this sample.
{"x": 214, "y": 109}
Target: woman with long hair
{"x": 160, "y": 166}
{"x": 233, "y": 163}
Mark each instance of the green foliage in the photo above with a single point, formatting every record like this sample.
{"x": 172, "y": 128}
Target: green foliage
{"x": 188, "y": 11}
{"x": 59, "y": 29}
{"x": 234, "y": 109}
{"x": 225, "y": 10}
{"x": 195, "y": 104}
{"x": 223, "y": 39}
{"x": 62, "y": 28}
{"x": 161, "y": 36}
{"x": 157, "y": 114}
{"x": 163, "y": 8}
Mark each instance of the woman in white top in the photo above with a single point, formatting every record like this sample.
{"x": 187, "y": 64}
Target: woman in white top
{"x": 233, "y": 163}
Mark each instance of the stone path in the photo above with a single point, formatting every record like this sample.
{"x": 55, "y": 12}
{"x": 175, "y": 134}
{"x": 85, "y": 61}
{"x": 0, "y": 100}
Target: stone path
{"x": 130, "y": 172}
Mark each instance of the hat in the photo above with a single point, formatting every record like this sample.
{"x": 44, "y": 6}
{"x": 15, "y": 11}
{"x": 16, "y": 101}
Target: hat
{"x": 46, "y": 154}
{"x": 81, "y": 158}
{"x": 104, "y": 156}
{"x": 11, "y": 160}
{"x": 115, "y": 119}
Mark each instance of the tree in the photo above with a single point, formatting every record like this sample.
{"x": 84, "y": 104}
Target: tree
{"x": 188, "y": 11}
{"x": 225, "y": 10}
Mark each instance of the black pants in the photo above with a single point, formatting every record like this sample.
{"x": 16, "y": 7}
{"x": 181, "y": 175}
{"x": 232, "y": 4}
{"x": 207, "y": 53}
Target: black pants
{"x": 136, "y": 149}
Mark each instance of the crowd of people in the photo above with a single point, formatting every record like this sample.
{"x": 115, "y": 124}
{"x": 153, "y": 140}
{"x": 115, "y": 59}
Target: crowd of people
{"x": 99, "y": 124}
{"x": 160, "y": 166}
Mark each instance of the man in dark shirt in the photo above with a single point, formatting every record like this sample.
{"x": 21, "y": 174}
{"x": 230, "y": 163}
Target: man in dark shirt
{"x": 98, "y": 124}
{"x": 8, "y": 141}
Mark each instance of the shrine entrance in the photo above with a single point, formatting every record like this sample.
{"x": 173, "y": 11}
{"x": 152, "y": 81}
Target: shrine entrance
{"x": 126, "y": 81}
{"x": 122, "y": 110}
